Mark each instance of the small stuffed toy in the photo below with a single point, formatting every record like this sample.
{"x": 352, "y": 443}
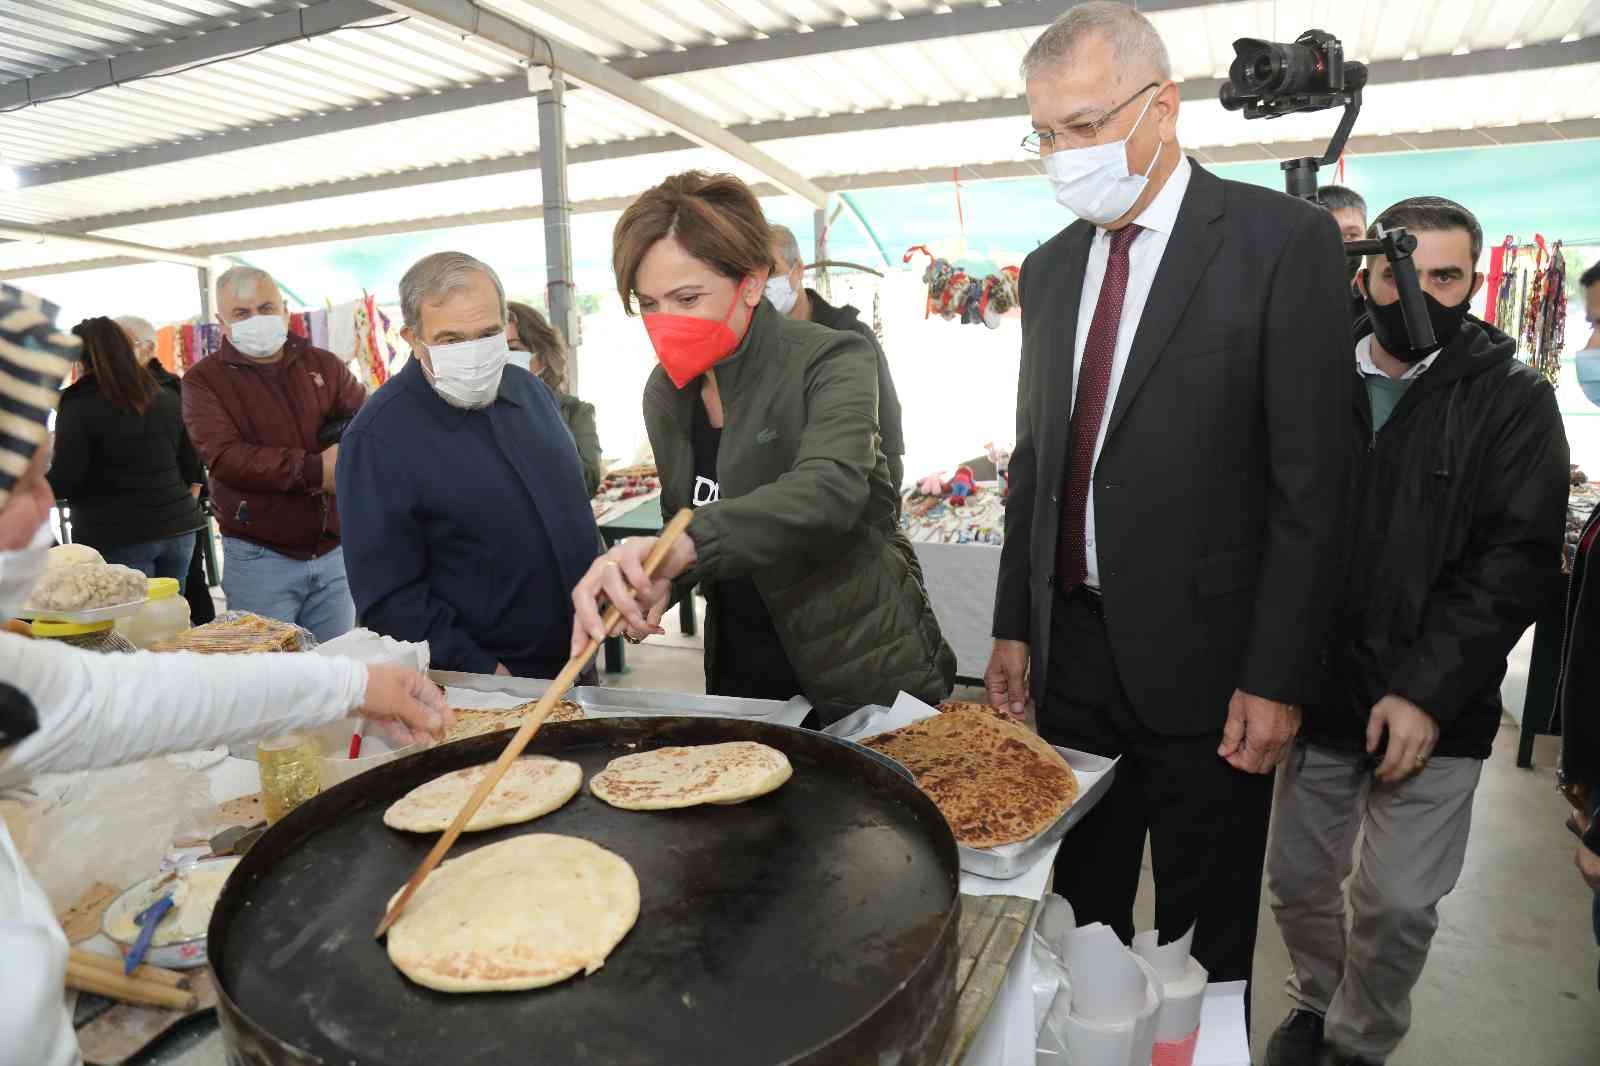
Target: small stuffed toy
{"x": 961, "y": 486}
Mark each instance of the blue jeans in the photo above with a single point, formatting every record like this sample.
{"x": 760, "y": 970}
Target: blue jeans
{"x": 156, "y": 558}
{"x": 311, "y": 593}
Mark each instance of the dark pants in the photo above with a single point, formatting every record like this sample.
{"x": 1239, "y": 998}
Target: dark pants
{"x": 1207, "y": 821}
{"x": 156, "y": 558}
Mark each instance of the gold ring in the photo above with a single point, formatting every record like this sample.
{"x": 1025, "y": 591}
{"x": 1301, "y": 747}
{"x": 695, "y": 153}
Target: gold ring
{"x": 1422, "y": 760}
{"x": 612, "y": 564}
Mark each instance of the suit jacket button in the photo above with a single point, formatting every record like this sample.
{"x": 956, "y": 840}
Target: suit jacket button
{"x": 1055, "y": 497}
{"x": 1049, "y": 579}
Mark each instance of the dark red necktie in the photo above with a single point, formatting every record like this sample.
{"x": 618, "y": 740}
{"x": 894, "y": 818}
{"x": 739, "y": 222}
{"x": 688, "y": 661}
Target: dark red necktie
{"x": 1089, "y": 411}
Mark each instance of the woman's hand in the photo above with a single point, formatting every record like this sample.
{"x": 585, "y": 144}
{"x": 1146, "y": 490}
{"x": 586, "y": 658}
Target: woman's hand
{"x": 618, "y": 578}
{"x": 410, "y": 708}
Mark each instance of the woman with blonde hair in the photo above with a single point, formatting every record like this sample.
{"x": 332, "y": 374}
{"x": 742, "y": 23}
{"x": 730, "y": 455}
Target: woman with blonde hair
{"x": 767, "y": 427}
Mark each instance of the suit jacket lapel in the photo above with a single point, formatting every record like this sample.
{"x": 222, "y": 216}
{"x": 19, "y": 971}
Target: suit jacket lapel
{"x": 1194, "y": 241}
{"x": 1059, "y": 339}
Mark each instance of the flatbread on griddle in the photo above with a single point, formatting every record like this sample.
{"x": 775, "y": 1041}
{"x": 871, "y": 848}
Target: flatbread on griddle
{"x": 473, "y": 723}
{"x": 994, "y": 782}
{"x": 668, "y": 778}
{"x": 981, "y": 708}
{"x": 532, "y": 787}
{"x": 522, "y": 913}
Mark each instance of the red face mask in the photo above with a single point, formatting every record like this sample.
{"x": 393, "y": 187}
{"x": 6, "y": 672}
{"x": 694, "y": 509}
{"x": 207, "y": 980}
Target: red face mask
{"x": 687, "y": 347}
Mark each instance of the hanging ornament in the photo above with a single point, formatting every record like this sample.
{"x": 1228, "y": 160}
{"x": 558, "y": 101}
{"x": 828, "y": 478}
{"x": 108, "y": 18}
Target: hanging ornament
{"x": 953, "y": 293}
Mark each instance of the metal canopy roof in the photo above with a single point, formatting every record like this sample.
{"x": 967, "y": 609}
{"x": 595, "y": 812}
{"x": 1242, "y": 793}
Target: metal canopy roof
{"x": 218, "y": 124}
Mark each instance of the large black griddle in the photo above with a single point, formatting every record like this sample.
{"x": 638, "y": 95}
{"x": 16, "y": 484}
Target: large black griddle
{"x": 816, "y": 924}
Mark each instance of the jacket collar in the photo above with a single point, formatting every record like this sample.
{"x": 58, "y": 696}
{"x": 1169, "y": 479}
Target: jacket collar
{"x": 764, "y": 326}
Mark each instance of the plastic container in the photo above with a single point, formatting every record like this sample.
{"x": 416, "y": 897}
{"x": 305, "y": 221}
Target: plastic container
{"x": 91, "y": 636}
{"x": 165, "y": 614}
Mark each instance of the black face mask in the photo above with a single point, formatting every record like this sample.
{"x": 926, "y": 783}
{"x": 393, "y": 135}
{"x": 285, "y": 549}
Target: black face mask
{"x": 1389, "y": 326}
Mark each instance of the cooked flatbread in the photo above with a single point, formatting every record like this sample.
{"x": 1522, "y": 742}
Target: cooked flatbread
{"x": 523, "y": 913}
{"x": 532, "y": 787}
{"x": 668, "y": 778}
{"x": 981, "y": 708}
{"x": 473, "y": 723}
{"x": 245, "y": 633}
{"x": 994, "y": 782}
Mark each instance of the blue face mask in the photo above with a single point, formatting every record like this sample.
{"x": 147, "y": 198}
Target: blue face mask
{"x": 1588, "y": 364}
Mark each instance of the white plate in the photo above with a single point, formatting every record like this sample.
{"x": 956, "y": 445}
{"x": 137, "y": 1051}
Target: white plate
{"x": 98, "y": 614}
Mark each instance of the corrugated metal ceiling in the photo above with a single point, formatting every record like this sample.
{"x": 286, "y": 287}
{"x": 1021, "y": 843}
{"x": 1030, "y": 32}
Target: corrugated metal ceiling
{"x": 390, "y": 60}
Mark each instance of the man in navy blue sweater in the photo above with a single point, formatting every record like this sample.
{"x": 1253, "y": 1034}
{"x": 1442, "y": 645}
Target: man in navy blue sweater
{"x": 466, "y": 522}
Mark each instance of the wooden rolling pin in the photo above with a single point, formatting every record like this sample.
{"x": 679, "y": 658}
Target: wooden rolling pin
{"x": 530, "y": 725}
{"x": 88, "y": 978}
{"x": 170, "y": 978}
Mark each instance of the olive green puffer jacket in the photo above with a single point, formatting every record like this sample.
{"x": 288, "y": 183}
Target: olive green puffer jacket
{"x": 806, "y": 510}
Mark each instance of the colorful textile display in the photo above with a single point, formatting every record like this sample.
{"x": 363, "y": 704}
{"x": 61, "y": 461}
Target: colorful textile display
{"x": 978, "y": 517}
{"x": 1527, "y": 300}
{"x": 298, "y": 325}
{"x": 953, "y": 293}
{"x": 167, "y": 348}
{"x": 373, "y": 349}
{"x": 317, "y": 323}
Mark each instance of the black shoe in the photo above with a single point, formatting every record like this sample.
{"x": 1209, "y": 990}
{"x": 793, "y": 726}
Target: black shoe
{"x": 1297, "y": 1041}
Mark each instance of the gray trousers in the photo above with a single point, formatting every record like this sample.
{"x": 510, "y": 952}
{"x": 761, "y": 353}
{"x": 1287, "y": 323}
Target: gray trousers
{"x": 1413, "y": 841}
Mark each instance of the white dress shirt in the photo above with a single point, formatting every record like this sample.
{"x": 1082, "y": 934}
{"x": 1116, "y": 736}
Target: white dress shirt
{"x": 1144, "y": 257}
{"x": 1369, "y": 368}
{"x": 98, "y": 710}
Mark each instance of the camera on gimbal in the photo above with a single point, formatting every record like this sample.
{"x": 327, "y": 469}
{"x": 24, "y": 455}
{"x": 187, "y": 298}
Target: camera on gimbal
{"x": 1268, "y": 80}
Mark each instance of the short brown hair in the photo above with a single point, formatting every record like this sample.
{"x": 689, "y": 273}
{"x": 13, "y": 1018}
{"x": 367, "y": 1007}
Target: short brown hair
{"x": 716, "y": 218}
{"x": 540, "y": 339}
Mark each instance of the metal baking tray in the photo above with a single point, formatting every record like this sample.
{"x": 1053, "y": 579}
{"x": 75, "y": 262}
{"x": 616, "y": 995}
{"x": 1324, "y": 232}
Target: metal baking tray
{"x": 601, "y": 702}
{"x": 1095, "y": 773}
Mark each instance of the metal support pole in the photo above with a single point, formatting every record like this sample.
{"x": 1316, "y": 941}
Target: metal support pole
{"x": 819, "y": 230}
{"x": 558, "y": 219}
{"x": 206, "y": 281}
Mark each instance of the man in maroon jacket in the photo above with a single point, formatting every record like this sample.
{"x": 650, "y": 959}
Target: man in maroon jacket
{"x": 255, "y": 411}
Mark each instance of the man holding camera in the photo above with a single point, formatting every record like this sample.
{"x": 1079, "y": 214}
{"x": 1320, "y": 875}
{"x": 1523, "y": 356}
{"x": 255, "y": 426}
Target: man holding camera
{"x": 1172, "y": 526}
{"x": 1453, "y": 540}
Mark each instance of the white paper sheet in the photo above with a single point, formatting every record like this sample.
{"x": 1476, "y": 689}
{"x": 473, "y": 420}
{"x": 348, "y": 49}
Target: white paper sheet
{"x": 366, "y": 646}
{"x": 471, "y": 699}
{"x": 1224, "y": 1041}
{"x": 1183, "y": 984}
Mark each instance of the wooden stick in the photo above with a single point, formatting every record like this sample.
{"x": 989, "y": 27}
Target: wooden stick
{"x": 128, "y": 989}
{"x": 530, "y": 725}
{"x": 170, "y": 978}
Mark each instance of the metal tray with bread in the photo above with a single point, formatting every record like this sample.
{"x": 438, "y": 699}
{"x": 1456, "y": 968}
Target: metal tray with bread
{"x": 1029, "y": 802}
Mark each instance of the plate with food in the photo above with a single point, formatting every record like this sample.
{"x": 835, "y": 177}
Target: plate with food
{"x": 179, "y": 942}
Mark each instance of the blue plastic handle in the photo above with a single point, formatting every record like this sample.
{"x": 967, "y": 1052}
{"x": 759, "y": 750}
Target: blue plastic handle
{"x": 147, "y": 919}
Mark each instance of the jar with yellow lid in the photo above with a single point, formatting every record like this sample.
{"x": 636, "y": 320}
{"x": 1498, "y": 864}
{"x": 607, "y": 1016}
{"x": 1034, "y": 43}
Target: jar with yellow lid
{"x": 91, "y": 636}
{"x": 165, "y": 614}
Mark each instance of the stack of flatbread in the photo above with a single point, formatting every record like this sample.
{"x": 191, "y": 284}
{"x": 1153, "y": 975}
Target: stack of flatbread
{"x": 245, "y": 633}
{"x": 973, "y": 705}
{"x": 994, "y": 782}
{"x": 532, "y": 787}
{"x": 473, "y": 723}
{"x": 669, "y": 778}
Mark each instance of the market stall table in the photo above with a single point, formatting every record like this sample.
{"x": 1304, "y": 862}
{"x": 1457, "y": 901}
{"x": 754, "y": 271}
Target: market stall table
{"x": 644, "y": 520}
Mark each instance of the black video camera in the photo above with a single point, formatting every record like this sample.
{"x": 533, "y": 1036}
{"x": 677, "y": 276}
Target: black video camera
{"x": 1268, "y": 79}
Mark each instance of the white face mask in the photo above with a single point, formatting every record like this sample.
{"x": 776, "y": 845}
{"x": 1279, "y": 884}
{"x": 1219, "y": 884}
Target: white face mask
{"x": 20, "y": 570}
{"x": 260, "y": 337}
{"x": 522, "y": 359}
{"x": 1093, "y": 183}
{"x": 781, "y": 293}
{"x": 467, "y": 373}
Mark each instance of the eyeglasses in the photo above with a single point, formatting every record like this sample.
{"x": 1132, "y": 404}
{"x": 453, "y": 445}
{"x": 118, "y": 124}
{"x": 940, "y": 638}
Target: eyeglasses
{"x": 1078, "y": 134}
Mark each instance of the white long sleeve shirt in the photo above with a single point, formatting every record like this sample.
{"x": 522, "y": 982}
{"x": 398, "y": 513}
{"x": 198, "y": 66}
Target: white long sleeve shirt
{"x": 100, "y": 710}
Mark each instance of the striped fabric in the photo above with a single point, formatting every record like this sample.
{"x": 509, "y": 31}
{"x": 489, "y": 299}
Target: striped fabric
{"x": 34, "y": 357}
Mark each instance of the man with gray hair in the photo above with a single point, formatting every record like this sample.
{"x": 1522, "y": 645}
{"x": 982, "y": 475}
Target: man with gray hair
{"x": 1172, "y": 544}
{"x": 788, "y": 293}
{"x": 142, "y": 334}
{"x": 264, "y": 413}
{"x": 467, "y": 521}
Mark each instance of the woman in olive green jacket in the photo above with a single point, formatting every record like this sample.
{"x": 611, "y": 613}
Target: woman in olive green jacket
{"x": 767, "y": 427}
{"x": 527, "y": 332}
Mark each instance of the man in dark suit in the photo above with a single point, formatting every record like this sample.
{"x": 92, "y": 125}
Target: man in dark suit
{"x": 1172, "y": 523}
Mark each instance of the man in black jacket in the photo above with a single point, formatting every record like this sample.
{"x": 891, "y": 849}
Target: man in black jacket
{"x": 788, "y": 293}
{"x": 1172, "y": 536}
{"x": 1454, "y": 545}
